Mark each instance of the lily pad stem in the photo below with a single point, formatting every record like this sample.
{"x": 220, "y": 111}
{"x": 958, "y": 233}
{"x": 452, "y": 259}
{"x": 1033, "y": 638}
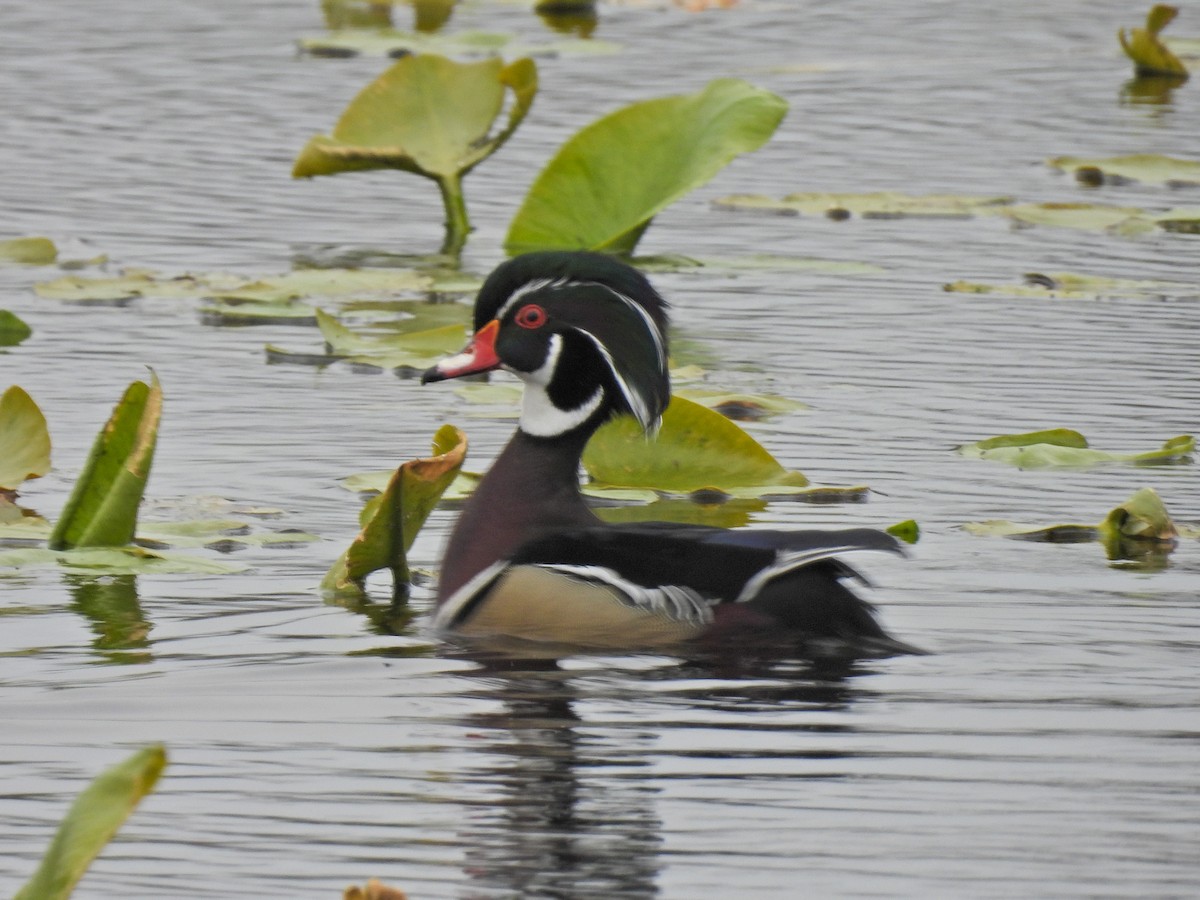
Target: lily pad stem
{"x": 458, "y": 226}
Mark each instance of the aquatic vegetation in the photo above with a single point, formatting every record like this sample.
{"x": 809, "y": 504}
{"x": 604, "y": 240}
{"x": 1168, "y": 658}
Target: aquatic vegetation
{"x": 13, "y": 329}
{"x": 872, "y": 205}
{"x": 1142, "y": 45}
{"x": 373, "y": 890}
{"x": 1076, "y": 286}
{"x": 1138, "y": 529}
{"x": 391, "y": 520}
{"x": 24, "y": 440}
{"x": 1065, "y": 447}
{"x": 95, "y": 816}
{"x": 608, "y": 181}
{"x": 103, "y": 506}
{"x": 430, "y": 116}
{"x": 1147, "y": 168}
{"x": 30, "y": 251}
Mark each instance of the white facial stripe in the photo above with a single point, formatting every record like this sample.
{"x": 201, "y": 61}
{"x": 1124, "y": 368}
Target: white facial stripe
{"x": 637, "y": 403}
{"x": 524, "y": 290}
{"x": 539, "y": 416}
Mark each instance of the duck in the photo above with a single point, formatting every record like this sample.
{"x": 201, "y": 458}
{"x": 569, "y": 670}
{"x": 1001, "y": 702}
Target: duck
{"x": 529, "y": 561}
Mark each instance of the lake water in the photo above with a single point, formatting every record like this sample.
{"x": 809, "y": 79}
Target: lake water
{"x": 1048, "y": 745}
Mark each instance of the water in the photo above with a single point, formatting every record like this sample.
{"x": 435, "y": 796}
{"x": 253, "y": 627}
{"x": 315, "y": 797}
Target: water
{"x": 1046, "y": 747}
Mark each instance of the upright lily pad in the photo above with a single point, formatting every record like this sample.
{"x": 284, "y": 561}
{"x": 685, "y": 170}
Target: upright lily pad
{"x": 91, "y": 822}
{"x": 695, "y": 449}
{"x": 13, "y": 329}
{"x": 24, "y": 439}
{"x": 1142, "y": 45}
{"x": 30, "y": 251}
{"x": 102, "y": 509}
{"x": 607, "y": 182}
{"x": 430, "y": 116}
{"x": 390, "y": 521}
{"x": 1065, "y": 447}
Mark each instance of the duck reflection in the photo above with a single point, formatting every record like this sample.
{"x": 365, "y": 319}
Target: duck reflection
{"x": 576, "y": 812}
{"x": 110, "y": 603}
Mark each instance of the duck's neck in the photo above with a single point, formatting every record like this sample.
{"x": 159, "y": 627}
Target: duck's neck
{"x": 532, "y": 486}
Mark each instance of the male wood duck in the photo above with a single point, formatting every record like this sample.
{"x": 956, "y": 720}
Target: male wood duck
{"x": 528, "y": 559}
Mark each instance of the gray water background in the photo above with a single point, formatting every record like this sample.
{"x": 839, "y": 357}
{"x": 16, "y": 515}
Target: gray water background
{"x": 1047, "y": 746}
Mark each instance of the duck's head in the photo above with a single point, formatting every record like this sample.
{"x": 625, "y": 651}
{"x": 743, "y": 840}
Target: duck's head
{"x": 584, "y": 331}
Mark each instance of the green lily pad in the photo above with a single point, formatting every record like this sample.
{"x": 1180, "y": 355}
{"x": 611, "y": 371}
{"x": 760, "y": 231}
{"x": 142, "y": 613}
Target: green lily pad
{"x": 1147, "y": 168}
{"x": 216, "y": 534}
{"x": 30, "y": 251}
{"x": 306, "y": 283}
{"x": 134, "y": 283}
{"x": 1064, "y": 447}
{"x": 608, "y": 181}
{"x": 1084, "y": 216}
{"x": 24, "y": 439}
{"x": 403, "y": 350}
{"x": 1150, "y": 56}
{"x": 741, "y": 407}
{"x": 390, "y": 42}
{"x": 427, "y": 115}
{"x": 734, "y": 513}
{"x": 694, "y": 449}
{"x": 103, "y": 506}
{"x": 1075, "y": 286}
{"x": 13, "y": 329}
{"x": 908, "y": 531}
{"x": 95, "y": 816}
{"x": 759, "y": 262}
{"x": 390, "y": 522}
{"x": 1138, "y": 529}
{"x": 19, "y": 526}
{"x": 117, "y": 560}
{"x": 873, "y": 205}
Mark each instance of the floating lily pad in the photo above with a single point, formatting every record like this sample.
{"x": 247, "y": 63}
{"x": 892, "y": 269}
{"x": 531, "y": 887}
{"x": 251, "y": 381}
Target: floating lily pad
{"x": 1148, "y": 168}
{"x": 694, "y": 449}
{"x": 13, "y": 329}
{"x": 1150, "y": 56}
{"x": 608, "y": 181}
{"x": 24, "y": 439}
{"x": 731, "y": 513}
{"x": 216, "y": 534}
{"x": 430, "y": 116}
{"x": 1064, "y": 447}
{"x": 1138, "y": 529}
{"x": 117, "y": 560}
{"x": 390, "y": 522}
{"x": 764, "y": 262}
{"x": 382, "y": 350}
{"x": 30, "y": 251}
{"x": 873, "y": 205}
{"x": 20, "y": 527}
{"x": 741, "y": 407}
{"x": 95, "y": 816}
{"x": 103, "y": 506}
{"x": 908, "y": 531}
{"x": 1074, "y": 286}
{"x": 393, "y": 42}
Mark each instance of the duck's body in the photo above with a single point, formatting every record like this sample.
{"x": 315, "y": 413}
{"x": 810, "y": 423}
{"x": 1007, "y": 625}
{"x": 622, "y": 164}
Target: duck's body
{"x": 528, "y": 559}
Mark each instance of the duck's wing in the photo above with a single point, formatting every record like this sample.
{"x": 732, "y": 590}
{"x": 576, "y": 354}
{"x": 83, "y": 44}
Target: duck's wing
{"x": 659, "y": 583}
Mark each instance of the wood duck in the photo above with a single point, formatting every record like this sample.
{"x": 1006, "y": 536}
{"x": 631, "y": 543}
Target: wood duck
{"x": 528, "y": 559}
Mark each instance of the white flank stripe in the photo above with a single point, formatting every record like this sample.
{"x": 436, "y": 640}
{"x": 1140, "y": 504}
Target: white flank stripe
{"x": 788, "y": 562}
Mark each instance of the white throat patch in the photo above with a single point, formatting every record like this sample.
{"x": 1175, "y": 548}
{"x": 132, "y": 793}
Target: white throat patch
{"x": 539, "y": 416}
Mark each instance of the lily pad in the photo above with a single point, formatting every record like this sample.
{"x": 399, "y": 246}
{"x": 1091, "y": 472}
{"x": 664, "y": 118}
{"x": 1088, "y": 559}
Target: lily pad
{"x": 390, "y": 522}
{"x": 95, "y": 816}
{"x": 134, "y": 283}
{"x": 24, "y": 439}
{"x": 216, "y": 534}
{"x": 393, "y": 42}
{"x": 103, "y": 506}
{"x": 874, "y": 205}
{"x": 757, "y": 262}
{"x": 1064, "y": 447}
{"x": 1150, "y": 56}
{"x": 1075, "y": 286}
{"x": 117, "y": 560}
{"x": 608, "y": 181}
{"x": 694, "y": 449}
{"x": 13, "y": 329}
{"x": 1147, "y": 168}
{"x": 1139, "y": 529}
{"x": 402, "y": 350}
{"x": 30, "y": 251}
{"x": 430, "y": 116}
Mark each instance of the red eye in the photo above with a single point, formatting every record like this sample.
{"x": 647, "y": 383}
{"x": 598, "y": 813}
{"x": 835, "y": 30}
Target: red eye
{"x": 531, "y": 316}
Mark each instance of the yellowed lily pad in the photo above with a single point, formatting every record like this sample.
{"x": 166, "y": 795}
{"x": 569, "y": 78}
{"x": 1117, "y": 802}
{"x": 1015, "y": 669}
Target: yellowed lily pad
{"x": 390, "y": 42}
{"x": 1142, "y": 45}
{"x": 95, "y": 816}
{"x": 103, "y": 506}
{"x": 24, "y": 439}
{"x": 1076, "y": 286}
{"x": 1140, "y": 529}
{"x": 1065, "y": 447}
{"x": 378, "y": 349}
{"x": 872, "y": 205}
{"x": 29, "y": 251}
{"x": 116, "y": 560}
{"x": 1147, "y": 168}
{"x": 390, "y": 521}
